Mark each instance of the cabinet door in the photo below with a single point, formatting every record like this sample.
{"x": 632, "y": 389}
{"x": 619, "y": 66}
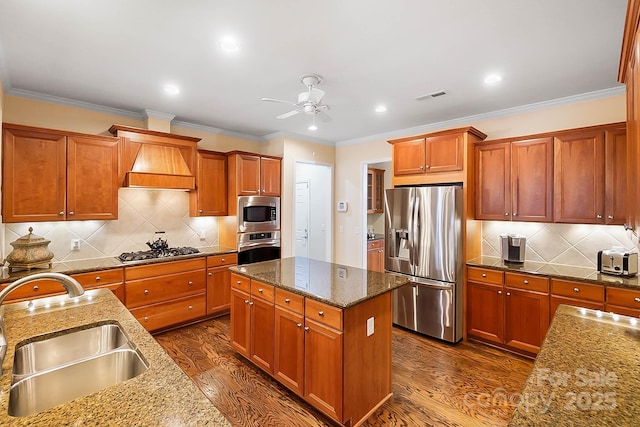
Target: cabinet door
{"x": 92, "y": 178}
{"x": 532, "y": 175}
{"x": 218, "y": 290}
{"x": 409, "y": 157}
{"x": 378, "y": 191}
{"x": 270, "y": 176}
{"x": 33, "y": 176}
{"x": 262, "y": 333}
{"x": 444, "y": 153}
{"x": 289, "y": 356}
{"x": 616, "y": 176}
{"x": 493, "y": 181}
{"x": 248, "y": 175}
{"x": 579, "y": 178}
{"x": 323, "y": 368}
{"x": 485, "y": 311}
{"x": 526, "y": 319}
{"x": 210, "y": 197}
{"x": 240, "y": 325}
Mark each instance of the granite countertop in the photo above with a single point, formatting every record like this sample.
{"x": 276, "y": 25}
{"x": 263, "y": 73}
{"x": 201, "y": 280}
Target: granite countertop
{"x": 97, "y": 264}
{"x": 586, "y": 374}
{"x": 337, "y": 285}
{"x": 587, "y": 275}
{"x": 162, "y": 395}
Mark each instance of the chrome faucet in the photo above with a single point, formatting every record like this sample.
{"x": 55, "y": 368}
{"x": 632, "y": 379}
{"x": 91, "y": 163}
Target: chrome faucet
{"x": 71, "y": 285}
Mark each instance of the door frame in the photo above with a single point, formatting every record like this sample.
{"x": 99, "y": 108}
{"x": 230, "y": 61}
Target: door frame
{"x": 364, "y": 172}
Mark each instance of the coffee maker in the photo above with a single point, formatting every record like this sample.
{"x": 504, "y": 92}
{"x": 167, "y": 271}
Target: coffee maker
{"x": 513, "y": 247}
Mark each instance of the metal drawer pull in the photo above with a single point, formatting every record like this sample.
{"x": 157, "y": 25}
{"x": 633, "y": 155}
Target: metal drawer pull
{"x": 321, "y": 313}
{"x": 299, "y": 325}
{"x": 610, "y": 217}
{"x": 36, "y": 287}
{"x": 250, "y": 302}
{"x": 508, "y": 294}
{"x": 526, "y": 282}
{"x": 599, "y": 216}
{"x": 260, "y": 290}
{"x": 71, "y": 213}
{"x": 238, "y": 282}
{"x": 636, "y": 299}
{"x": 484, "y": 274}
{"x": 199, "y": 210}
{"x": 210, "y": 274}
{"x": 98, "y": 278}
{"x": 146, "y": 319}
{"x": 190, "y": 307}
{"x": 146, "y": 291}
{"x": 287, "y": 300}
{"x": 306, "y": 328}
{"x": 190, "y": 283}
{"x": 246, "y": 301}
{"x": 576, "y": 290}
{"x": 224, "y": 260}
{"x": 515, "y": 214}
{"x": 506, "y": 214}
{"x": 60, "y": 213}
{"x": 499, "y": 292}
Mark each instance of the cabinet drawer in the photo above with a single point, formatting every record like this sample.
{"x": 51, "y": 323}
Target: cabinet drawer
{"x": 623, "y": 297}
{"x": 555, "y": 301}
{"x": 625, "y": 311}
{"x": 97, "y": 278}
{"x": 323, "y": 313}
{"x": 375, "y": 244}
{"x": 525, "y": 281}
{"x": 577, "y": 290}
{"x": 484, "y": 275}
{"x": 240, "y": 282}
{"x": 262, "y": 290}
{"x": 290, "y": 301}
{"x": 162, "y": 268}
{"x": 222, "y": 260}
{"x": 37, "y": 289}
{"x": 157, "y": 289}
{"x": 170, "y": 313}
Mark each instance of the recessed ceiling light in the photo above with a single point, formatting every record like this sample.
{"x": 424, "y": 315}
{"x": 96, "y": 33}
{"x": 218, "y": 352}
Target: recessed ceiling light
{"x": 229, "y": 44}
{"x": 313, "y": 127}
{"x": 381, "y": 109}
{"x": 171, "y": 89}
{"x": 492, "y": 79}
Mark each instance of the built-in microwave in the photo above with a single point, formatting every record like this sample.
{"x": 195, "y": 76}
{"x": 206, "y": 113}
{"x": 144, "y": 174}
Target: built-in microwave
{"x": 258, "y": 213}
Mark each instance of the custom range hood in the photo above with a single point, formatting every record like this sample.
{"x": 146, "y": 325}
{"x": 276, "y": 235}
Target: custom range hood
{"x": 154, "y": 159}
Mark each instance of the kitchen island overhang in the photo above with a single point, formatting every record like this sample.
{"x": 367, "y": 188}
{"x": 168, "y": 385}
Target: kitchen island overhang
{"x": 340, "y": 321}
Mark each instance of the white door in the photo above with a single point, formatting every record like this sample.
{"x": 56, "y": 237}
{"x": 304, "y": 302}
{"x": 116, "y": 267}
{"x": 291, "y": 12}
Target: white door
{"x": 302, "y": 220}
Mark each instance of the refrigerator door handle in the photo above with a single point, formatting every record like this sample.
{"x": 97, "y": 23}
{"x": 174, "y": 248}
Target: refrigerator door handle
{"x": 414, "y": 231}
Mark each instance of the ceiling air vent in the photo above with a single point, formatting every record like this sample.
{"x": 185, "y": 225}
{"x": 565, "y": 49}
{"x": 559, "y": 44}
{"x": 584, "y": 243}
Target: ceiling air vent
{"x": 431, "y": 95}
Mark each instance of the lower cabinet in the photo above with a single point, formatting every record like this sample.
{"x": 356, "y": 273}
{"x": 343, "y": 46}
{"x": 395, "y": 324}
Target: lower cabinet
{"x": 375, "y": 255}
{"x": 575, "y": 293}
{"x": 218, "y": 283}
{"x": 289, "y": 341}
{"x": 623, "y": 301}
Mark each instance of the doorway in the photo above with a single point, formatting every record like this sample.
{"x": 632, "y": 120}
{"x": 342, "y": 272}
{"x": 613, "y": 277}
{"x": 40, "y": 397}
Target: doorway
{"x": 373, "y": 220}
{"x": 313, "y": 221}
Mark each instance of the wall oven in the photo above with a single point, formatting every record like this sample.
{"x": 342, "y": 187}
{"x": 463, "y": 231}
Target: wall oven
{"x": 260, "y": 246}
{"x": 258, "y": 213}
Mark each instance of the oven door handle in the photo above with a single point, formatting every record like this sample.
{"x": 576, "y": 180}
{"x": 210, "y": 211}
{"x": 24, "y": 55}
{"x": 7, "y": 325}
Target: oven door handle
{"x": 247, "y": 246}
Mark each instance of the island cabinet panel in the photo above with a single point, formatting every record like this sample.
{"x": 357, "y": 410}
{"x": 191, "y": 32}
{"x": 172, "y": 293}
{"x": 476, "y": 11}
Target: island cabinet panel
{"x": 240, "y": 328}
{"x": 261, "y": 336}
{"x": 289, "y": 349}
{"x": 219, "y": 283}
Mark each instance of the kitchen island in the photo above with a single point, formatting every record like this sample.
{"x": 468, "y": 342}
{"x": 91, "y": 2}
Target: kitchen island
{"x": 586, "y": 374}
{"x": 162, "y": 395}
{"x": 323, "y": 330}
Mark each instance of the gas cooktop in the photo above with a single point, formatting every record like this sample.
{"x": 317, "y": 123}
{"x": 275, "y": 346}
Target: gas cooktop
{"x": 157, "y": 253}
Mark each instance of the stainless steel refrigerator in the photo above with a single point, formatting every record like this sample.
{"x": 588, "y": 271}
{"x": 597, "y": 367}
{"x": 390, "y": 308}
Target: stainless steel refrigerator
{"x": 424, "y": 241}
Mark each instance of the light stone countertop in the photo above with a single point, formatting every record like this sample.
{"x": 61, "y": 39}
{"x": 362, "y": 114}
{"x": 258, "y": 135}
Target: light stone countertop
{"x": 586, "y": 374}
{"x": 161, "y": 396}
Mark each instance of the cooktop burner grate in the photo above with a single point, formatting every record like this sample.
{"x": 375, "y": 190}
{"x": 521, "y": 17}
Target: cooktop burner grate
{"x": 157, "y": 253}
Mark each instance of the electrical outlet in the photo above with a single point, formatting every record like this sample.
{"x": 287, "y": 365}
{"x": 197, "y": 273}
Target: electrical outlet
{"x": 202, "y": 234}
{"x": 370, "y": 326}
{"x": 75, "y": 244}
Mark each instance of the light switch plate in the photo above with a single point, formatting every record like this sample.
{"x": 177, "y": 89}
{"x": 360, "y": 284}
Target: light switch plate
{"x": 370, "y": 326}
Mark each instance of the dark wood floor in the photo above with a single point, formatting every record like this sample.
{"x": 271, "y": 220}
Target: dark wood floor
{"x": 434, "y": 383}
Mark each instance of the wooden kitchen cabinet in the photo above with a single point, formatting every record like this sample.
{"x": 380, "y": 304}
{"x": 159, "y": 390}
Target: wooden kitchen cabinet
{"x": 77, "y": 175}
{"x": 485, "y": 304}
{"x": 514, "y": 180}
{"x": 578, "y": 294}
{"x": 219, "y": 283}
{"x": 623, "y": 301}
{"x": 435, "y": 154}
{"x": 289, "y": 341}
{"x": 253, "y": 174}
{"x": 375, "y": 255}
{"x": 210, "y": 196}
{"x": 375, "y": 190}
{"x": 583, "y": 159}
{"x": 240, "y": 324}
{"x": 112, "y": 279}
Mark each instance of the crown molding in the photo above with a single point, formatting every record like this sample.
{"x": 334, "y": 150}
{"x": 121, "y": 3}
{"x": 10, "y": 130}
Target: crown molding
{"x": 465, "y": 121}
{"x": 73, "y": 103}
{"x": 291, "y": 135}
{"x": 218, "y": 131}
{"x": 150, "y": 114}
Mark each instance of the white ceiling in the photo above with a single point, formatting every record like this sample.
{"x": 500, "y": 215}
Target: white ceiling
{"x": 120, "y": 53}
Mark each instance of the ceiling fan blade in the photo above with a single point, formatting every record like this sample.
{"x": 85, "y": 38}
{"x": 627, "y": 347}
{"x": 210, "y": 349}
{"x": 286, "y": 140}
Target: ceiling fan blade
{"x": 289, "y": 114}
{"x": 278, "y": 100}
{"x": 315, "y": 95}
{"x": 324, "y": 116}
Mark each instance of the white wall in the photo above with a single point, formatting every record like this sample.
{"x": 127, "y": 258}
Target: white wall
{"x": 320, "y": 208}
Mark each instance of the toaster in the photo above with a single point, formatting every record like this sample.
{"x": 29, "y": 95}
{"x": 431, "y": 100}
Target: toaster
{"x": 618, "y": 262}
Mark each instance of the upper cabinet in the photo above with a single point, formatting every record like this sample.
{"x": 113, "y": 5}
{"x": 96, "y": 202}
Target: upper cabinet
{"x": 590, "y": 177}
{"x": 375, "y": 190}
{"x": 253, "y": 174}
{"x": 433, "y": 158}
{"x": 514, "y": 180}
{"x": 50, "y": 175}
{"x": 210, "y": 197}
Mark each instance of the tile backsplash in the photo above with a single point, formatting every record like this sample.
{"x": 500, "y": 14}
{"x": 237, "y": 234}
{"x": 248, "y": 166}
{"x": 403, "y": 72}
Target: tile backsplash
{"x": 568, "y": 244}
{"x": 141, "y": 212}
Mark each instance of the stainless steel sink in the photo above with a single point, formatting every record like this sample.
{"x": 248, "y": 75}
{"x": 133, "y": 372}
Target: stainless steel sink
{"x": 56, "y": 369}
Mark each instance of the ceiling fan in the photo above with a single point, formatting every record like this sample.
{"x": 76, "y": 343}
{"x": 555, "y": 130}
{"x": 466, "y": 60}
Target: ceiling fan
{"x": 309, "y": 101}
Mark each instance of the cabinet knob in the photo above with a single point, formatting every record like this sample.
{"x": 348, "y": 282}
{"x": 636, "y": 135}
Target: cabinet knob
{"x": 306, "y": 328}
{"x": 506, "y": 214}
{"x": 484, "y": 274}
{"x": 190, "y": 283}
{"x": 223, "y": 260}
{"x": 287, "y": 300}
{"x": 499, "y": 292}
{"x": 250, "y": 302}
{"x": 146, "y": 319}
{"x": 526, "y": 282}
{"x": 60, "y": 213}
{"x": 299, "y": 325}
{"x": 599, "y": 216}
{"x": 636, "y": 299}
{"x": 210, "y": 274}
{"x": 199, "y": 210}
{"x": 576, "y": 290}
{"x": 36, "y": 287}
{"x": 146, "y": 291}
{"x": 508, "y": 294}
{"x": 421, "y": 167}
{"x": 72, "y": 213}
{"x": 98, "y": 278}
{"x": 246, "y": 301}
{"x": 238, "y": 282}
{"x": 515, "y": 214}
{"x": 321, "y": 313}
{"x": 260, "y": 290}
{"x": 610, "y": 216}
{"x": 427, "y": 166}
{"x": 190, "y": 307}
